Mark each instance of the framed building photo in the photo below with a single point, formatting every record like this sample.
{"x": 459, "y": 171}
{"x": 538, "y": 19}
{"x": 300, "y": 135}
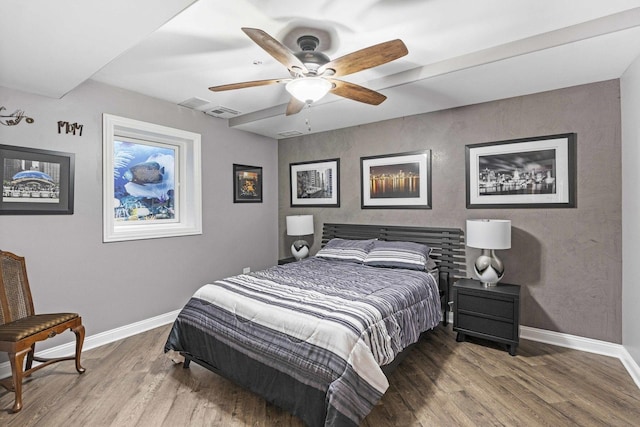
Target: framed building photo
{"x": 537, "y": 172}
{"x": 400, "y": 180}
{"x": 151, "y": 179}
{"x": 315, "y": 183}
{"x": 36, "y": 181}
{"x": 247, "y": 184}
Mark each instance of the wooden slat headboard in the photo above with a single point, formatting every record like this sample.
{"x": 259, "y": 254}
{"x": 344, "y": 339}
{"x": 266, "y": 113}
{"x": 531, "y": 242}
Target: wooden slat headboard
{"x": 447, "y": 244}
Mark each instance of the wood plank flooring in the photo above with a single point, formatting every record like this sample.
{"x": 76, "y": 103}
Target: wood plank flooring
{"x": 440, "y": 383}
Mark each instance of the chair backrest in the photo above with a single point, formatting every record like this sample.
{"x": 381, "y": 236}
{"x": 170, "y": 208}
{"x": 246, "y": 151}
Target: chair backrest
{"x": 15, "y": 295}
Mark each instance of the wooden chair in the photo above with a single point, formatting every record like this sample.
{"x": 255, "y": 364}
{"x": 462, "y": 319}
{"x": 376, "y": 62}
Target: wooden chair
{"x": 21, "y": 328}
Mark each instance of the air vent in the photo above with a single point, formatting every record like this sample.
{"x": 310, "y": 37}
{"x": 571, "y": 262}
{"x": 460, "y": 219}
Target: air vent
{"x": 289, "y": 133}
{"x": 194, "y": 103}
{"x": 222, "y": 112}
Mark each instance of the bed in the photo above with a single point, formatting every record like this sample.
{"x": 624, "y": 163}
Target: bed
{"x": 318, "y": 337}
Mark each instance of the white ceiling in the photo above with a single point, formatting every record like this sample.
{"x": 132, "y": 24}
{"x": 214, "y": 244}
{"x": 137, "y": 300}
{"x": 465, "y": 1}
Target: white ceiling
{"x": 461, "y": 52}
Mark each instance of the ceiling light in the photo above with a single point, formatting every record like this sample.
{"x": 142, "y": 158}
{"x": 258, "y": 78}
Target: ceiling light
{"x": 309, "y": 89}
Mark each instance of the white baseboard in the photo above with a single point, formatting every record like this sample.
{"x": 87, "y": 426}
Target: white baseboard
{"x": 632, "y": 367}
{"x": 584, "y": 344}
{"x": 100, "y": 339}
{"x": 533, "y": 334}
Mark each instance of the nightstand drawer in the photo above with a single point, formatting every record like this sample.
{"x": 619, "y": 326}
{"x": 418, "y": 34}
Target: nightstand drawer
{"x": 482, "y": 304}
{"x": 483, "y": 325}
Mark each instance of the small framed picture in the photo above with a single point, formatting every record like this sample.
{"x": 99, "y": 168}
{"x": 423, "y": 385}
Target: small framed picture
{"x": 247, "y": 184}
{"x": 36, "y": 181}
{"x": 537, "y": 172}
{"x": 315, "y": 183}
{"x": 400, "y": 181}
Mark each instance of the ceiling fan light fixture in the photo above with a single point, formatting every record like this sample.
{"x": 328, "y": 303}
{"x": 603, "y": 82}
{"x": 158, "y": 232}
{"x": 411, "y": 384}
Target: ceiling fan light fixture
{"x": 309, "y": 89}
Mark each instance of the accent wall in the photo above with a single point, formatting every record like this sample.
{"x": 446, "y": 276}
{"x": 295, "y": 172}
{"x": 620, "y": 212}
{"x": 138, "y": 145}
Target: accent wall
{"x": 567, "y": 260}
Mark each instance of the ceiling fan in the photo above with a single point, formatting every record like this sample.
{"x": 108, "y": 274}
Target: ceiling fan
{"x": 312, "y": 72}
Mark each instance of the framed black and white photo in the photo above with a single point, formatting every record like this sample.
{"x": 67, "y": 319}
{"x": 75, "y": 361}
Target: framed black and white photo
{"x": 247, "y": 184}
{"x": 315, "y": 183}
{"x": 36, "y": 181}
{"x": 538, "y": 172}
{"x": 400, "y": 181}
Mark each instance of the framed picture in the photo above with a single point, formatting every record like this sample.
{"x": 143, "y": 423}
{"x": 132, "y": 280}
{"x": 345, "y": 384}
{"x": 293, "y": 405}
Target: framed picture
{"x": 315, "y": 183}
{"x": 535, "y": 172}
{"x": 151, "y": 181}
{"x": 401, "y": 181}
{"x": 247, "y": 184}
{"x": 36, "y": 181}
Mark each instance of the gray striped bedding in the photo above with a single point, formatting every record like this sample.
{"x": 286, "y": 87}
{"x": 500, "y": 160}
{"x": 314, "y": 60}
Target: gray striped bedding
{"x": 309, "y": 336}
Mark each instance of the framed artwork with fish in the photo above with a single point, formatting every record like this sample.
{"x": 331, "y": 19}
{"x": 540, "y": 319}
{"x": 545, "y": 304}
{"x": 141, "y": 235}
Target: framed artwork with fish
{"x": 36, "y": 181}
{"x": 247, "y": 184}
{"x": 152, "y": 180}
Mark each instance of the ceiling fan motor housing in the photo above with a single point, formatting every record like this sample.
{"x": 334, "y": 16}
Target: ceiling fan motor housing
{"x": 308, "y": 55}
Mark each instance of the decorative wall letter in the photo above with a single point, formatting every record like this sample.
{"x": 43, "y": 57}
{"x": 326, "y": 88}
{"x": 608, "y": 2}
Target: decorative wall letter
{"x": 70, "y": 127}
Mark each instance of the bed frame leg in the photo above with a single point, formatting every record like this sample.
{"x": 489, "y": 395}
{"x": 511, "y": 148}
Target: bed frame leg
{"x": 186, "y": 363}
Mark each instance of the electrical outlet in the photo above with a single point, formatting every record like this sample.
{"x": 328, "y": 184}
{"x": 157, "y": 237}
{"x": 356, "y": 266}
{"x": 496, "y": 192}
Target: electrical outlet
{"x": 246, "y": 270}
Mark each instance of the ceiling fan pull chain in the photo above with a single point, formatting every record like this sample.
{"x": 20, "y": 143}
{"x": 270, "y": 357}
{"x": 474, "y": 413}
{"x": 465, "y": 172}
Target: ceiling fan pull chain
{"x": 306, "y": 120}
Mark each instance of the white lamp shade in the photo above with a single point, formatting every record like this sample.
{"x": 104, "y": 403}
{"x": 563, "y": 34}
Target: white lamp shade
{"x": 299, "y": 225}
{"x": 308, "y": 89}
{"x": 489, "y": 233}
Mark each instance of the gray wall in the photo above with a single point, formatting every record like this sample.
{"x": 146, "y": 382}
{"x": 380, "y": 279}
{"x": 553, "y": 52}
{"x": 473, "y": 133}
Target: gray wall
{"x": 568, "y": 260}
{"x": 630, "y": 94}
{"x": 116, "y": 284}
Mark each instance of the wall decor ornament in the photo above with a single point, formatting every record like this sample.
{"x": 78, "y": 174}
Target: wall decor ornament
{"x": 14, "y": 118}
{"x": 315, "y": 184}
{"x": 396, "y": 181}
{"x": 247, "y": 184}
{"x": 36, "y": 181}
{"x": 151, "y": 180}
{"x": 538, "y": 172}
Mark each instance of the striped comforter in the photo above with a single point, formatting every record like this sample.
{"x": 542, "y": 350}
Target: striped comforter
{"x": 309, "y": 336}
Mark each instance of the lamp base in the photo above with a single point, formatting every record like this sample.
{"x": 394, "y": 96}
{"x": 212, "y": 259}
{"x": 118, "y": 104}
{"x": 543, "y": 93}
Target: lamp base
{"x": 489, "y": 268}
{"x": 300, "y": 249}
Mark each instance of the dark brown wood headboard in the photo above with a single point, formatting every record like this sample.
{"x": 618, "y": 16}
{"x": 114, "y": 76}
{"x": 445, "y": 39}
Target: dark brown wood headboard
{"x": 447, "y": 244}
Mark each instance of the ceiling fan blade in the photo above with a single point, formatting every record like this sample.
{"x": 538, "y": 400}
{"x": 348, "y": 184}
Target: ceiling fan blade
{"x": 368, "y": 57}
{"x": 294, "y": 106}
{"x": 356, "y": 92}
{"x": 246, "y": 84}
{"x": 276, "y": 49}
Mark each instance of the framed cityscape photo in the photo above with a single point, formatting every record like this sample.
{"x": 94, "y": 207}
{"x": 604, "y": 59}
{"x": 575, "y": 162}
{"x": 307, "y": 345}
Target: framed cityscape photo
{"x": 537, "y": 172}
{"x": 400, "y": 181}
{"x": 247, "y": 184}
{"x": 36, "y": 181}
{"x": 315, "y": 183}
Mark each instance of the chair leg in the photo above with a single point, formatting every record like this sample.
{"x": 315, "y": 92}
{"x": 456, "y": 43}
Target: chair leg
{"x": 79, "y": 331}
{"x": 17, "y": 363}
{"x": 30, "y": 356}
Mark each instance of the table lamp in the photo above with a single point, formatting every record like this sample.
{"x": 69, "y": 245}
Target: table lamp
{"x": 300, "y": 225}
{"x": 489, "y": 235}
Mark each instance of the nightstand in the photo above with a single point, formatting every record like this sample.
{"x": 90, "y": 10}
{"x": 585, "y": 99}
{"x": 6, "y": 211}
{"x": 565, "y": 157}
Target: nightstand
{"x": 489, "y": 312}
{"x": 286, "y": 260}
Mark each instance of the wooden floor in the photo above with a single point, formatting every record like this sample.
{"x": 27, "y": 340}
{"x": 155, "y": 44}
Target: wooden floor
{"x": 441, "y": 383}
